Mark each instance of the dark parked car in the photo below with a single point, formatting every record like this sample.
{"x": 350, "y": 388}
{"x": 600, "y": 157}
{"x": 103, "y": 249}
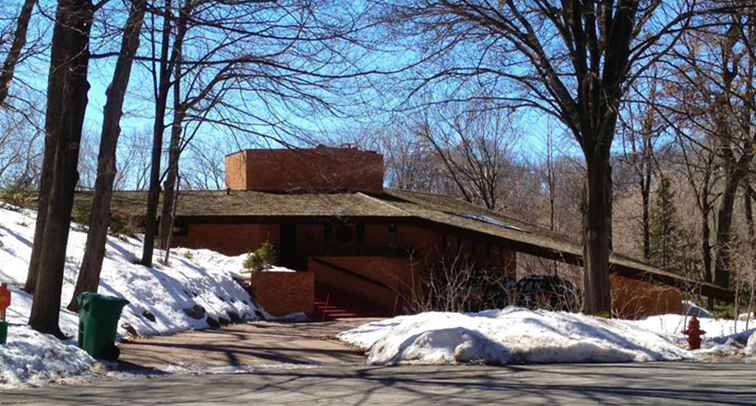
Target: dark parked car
{"x": 546, "y": 292}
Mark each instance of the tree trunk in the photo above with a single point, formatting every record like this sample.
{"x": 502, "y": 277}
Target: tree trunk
{"x": 19, "y": 40}
{"x": 645, "y": 185}
{"x": 748, "y": 197}
{"x": 153, "y": 195}
{"x": 169, "y": 187}
{"x": 99, "y": 218}
{"x": 179, "y": 112}
{"x": 646, "y": 218}
{"x": 724, "y": 226}
{"x": 53, "y": 110}
{"x": 167, "y": 258}
{"x": 68, "y": 71}
{"x": 596, "y": 223}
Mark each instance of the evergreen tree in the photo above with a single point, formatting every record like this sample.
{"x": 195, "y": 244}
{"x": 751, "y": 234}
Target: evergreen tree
{"x": 665, "y": 228}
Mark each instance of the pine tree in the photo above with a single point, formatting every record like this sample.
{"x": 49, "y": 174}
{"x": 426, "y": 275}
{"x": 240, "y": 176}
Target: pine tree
{"x": 665, "y": 228}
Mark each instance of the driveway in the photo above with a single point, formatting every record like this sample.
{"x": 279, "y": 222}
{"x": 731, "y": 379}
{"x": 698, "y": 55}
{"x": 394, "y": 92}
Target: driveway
{"x": 252, "y": 344}
{"x": 650, "y": 383}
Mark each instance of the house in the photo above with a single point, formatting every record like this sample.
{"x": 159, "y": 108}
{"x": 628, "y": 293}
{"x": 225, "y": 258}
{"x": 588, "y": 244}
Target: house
{"x": 360, "y": 248}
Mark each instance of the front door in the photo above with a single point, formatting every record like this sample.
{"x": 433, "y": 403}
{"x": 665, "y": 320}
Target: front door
{"x": 288, "y": 248}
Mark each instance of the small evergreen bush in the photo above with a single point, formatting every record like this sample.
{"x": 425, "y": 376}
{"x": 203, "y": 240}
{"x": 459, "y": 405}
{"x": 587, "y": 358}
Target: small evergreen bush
{"x": 262, "y": 258}
{"x": 80, "y": 215}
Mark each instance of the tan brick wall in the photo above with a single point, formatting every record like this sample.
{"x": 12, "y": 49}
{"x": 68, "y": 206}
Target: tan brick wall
{"x": 282, "y": 293}
{"x": 236, "y": 175}
{"x": 634, "y": 299}
{"x": 318, "y": 169}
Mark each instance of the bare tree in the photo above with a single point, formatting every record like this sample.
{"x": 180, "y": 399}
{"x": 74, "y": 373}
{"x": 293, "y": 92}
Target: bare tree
{"x": 99, "y": 217}
{"x": 642, "y": 130}
{"x": 244, "y": 68}
{"x": 162, "y": 67}
{"x": 66, "y": 104}
{"x": 14, "y": 55}
{"x": 19, "y": 150}
{"x": 475, "y": 145}
{"x": 410, "y": 160}
{"x": 712, "y": 102}
{"x": 573, "y": 60}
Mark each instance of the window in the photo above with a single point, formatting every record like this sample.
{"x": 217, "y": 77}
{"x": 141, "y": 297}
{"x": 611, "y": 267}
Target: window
{"x": 180, "y": 230}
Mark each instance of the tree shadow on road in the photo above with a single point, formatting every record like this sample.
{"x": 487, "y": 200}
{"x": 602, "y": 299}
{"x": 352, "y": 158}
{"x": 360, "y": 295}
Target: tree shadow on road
{"x": 414, "y": 385}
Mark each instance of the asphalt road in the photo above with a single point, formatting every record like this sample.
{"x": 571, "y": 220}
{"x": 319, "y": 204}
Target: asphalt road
{"x": 652, "y": 383}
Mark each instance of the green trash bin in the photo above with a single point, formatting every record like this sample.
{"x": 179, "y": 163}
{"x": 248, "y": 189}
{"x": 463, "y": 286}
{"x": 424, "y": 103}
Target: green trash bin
{"x": 98, "y": 322}
{"x": 3, "y": 331}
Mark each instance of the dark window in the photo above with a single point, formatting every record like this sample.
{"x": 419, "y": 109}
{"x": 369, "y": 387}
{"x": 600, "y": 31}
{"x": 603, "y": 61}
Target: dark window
{"x": 180, "y": 230}
{"x": 361, "y": 233}
{"x": 343, "y": 234}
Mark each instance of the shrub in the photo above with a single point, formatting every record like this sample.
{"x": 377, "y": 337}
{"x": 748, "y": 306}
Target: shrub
{"x": 455, "y": 282}
{"x": 80, "y": 215}
{"x": 119, "y": 226}
{"x": 262, "y": 258}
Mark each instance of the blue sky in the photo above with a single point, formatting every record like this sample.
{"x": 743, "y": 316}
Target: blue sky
{"x": 138, "y": 109}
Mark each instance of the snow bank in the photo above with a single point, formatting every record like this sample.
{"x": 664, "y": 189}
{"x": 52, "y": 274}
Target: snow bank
{"x": 197, "y": 290}
{"x": 33, "y": 358}
{"x": 750, "y": 348}
{"x": 511, "y": 335}
{"x": 674, "y": 324}
{"x": 747, "y": 316}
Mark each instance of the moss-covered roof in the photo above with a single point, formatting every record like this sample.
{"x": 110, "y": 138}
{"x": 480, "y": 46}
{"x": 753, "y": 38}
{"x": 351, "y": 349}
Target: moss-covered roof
{"x": 438, "y": 209}
{"x": 209, "y": 203}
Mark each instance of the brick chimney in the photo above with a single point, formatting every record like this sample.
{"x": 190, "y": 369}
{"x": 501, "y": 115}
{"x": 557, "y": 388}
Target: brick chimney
{"x": 322, "y": 169}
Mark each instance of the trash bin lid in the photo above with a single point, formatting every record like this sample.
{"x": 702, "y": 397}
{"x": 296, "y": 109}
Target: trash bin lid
{"x": 91, "y": 297}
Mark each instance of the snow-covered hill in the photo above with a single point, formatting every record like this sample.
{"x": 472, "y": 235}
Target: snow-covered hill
{"x": 195, "y": 291}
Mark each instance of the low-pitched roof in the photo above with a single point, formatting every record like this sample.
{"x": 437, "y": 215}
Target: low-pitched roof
{"x": 437, "y": 209}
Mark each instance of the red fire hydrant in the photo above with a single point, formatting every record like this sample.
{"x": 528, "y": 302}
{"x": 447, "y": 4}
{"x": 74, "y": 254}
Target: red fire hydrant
{"x": 5, "y": 300}
{"x": 694, "y": 333}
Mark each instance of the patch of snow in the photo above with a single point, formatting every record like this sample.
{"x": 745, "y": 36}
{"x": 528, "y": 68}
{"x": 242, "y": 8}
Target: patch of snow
{"x": 692, "y": 309}
{"x": 32, "y": 358}
{"x": 233, "y": 265}
{"x": 277, "y": 269}
{"x": 750, "y": 348}
{"x": 511, "y": 335}
{"x": 747, "y": 316}
{"x": 488, "y": 219}
{"x": 197, "y": 285}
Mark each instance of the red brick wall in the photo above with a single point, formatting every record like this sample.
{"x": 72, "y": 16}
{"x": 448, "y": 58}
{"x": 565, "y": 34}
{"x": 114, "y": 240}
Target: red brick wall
{"x": 228, "y": 239}
{"x": 392, "y": 272}
{"x": 282, "y": 293}
{"x": 318, "y": 169}
{"x": 634, "y": 299}
{"x": 429, "y": 247}
{"x": 237, "y": 239}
